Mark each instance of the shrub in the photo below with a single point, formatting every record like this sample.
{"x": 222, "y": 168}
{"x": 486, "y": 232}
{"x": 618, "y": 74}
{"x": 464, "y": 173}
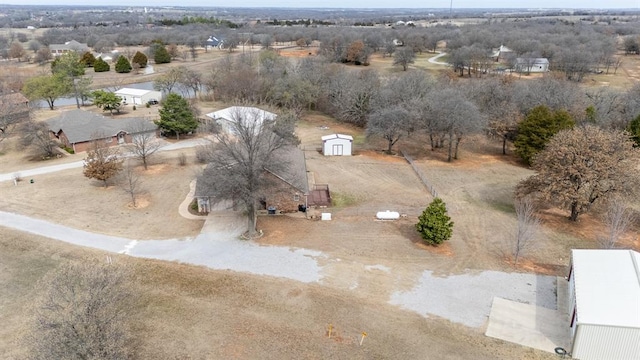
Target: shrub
{"x": 100, "y": 65}
{"x": 161, "y": 56}
{"x": 202, "y": 154}
{"x": 182, "y": 159}
{"x": 140, "y": 59}
{"x": 88, "y": 59}
{"x": 434, "y": 225}
{"x": 123, "y": 65}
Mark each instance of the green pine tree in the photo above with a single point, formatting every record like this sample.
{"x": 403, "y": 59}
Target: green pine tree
{"x": 100, "y": 65}
{"x": 123, "y": 65}
{"x": 535, "y": 131}
{"x": 634, "y": 130}
{"x": 176, "y": 117}
{"x": 434, "y": 225}
{"x": 161, "y": 56}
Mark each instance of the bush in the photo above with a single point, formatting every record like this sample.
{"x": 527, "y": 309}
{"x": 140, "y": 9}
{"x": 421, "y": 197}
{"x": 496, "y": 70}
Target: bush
{"x": 434, "y": 225}
{"x": 140, "y": 59}
{"x": 123, "y": 65}
{"x": 161, "y": 56}
{"x": 67, "y": 149}
{"x": 100, "y": 65}
{"x": 182, "y": 159}
{"x": 202, "y": 154}
{"x": 134, "y": 108}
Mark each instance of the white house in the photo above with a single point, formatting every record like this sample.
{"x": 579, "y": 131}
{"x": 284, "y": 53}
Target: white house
{"x": 337, "y": 145}
{"x": 249, "y": 116}
{"x": 532, "y": 65}
{"x": 138, "y": 96}
{"x": 604, "y": 304}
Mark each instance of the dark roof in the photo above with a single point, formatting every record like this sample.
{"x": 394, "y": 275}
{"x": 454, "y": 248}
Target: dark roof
{"x": 80, "y": 126}
{"x": 294, "y": 174}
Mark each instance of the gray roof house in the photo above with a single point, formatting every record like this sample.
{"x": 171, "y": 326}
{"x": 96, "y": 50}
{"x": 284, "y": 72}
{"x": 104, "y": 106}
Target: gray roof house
{"x": 59, "y": 49}
{"x": 288, "y": 189}
{"x": 532, "y": 65}
{"x": 77, "y": 128}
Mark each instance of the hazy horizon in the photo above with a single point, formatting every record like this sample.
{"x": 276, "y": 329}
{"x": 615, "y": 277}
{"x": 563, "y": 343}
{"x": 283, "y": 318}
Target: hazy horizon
{"x": 337, "y": 4}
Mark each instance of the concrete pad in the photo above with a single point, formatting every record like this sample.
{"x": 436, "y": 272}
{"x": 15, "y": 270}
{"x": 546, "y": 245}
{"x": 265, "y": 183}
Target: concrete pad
{"x": 528, "y": 325}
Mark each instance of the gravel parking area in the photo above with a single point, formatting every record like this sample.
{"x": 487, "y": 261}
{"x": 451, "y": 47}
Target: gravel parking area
{"x": 466, "y": 299}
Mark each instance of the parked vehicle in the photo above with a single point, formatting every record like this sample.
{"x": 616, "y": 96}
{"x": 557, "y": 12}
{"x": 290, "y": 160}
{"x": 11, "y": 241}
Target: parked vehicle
{"x": 152, "y": 102}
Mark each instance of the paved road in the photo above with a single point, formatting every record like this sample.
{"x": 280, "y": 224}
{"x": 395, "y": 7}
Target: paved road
{"x": 184, "y": 144}
{"x": 217, "y": 247}
{"x": 434, "y": 60}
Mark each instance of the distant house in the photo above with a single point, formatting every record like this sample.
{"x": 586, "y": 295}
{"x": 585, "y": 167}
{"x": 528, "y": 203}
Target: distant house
{"x": 214, "y": 42}
{"x": 501, "y": 52}
{"x": 59, "y": 49}
{"x": 14, "y": 107}
{"x": 225, "y": 118}
{"x": 77, "y": 128}
{"x": 288, "y": 191}
{"x": 337, "y": 145}
{"x": 604, "y": 304}
{"x": 108, "y": 57}
{"x": 137, "y": 96}
{"x": 531, "y": 65}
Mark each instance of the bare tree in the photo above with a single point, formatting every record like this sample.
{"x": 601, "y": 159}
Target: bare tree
{"x": 13, "y": 111}
{"x": 83, "y": 314}
{"x": 239, "y": 158}
{"x": 389, "y": 123}
{"x": 131, "y": 184}
{"x": 36, "y": 135}
{"x": 403, "y": 57}
{"x": 102, "y": 162}
{"x": 528, "y": 226}
{"x": 618, "y": 218}
{"x": 144, "y": 142}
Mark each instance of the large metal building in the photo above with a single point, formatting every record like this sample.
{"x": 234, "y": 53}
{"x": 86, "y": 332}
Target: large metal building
{"x": 604, "y": 304}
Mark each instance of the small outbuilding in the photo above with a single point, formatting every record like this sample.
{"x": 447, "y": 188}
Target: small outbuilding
{"x": 337, "y": 145}
{"x": 138, "y": 96}
{"x": 604, "y": 304}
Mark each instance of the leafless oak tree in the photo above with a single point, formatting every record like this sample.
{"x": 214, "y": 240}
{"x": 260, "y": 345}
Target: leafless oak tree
{"x": 144, "y": 142}
{"x": 131, "y": 183}
{"x": 102, "y": 162}
{"x": 528, "y": 225}
{"x": 618, "y": 217}
{"x": 239, "y": 156}
{"x": 83, "y": 314}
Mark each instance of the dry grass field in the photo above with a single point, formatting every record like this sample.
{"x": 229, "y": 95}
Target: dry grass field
{"x": 186, "y": 312}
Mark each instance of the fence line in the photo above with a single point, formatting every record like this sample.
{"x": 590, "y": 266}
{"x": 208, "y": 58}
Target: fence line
{"x": 420, "y": 174}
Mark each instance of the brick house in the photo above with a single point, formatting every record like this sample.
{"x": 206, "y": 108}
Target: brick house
{"x": 288, "y": 191}
{"x": 77, "y": 128}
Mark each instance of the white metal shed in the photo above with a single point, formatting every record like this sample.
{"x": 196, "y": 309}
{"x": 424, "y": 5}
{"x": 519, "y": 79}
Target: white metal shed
{"x": 337, "y": 145}
{"x": 138, "y": 96}
{"x": 604, "y": 304}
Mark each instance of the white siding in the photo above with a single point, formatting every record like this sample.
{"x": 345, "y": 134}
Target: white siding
{"x": 336, "y": 147}
{"x": 596, "y": 342}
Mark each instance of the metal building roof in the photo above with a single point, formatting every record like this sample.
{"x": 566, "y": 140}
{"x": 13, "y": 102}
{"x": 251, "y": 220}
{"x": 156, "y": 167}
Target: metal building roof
{"x": 132, "y": 92}
{"x": 607, "y": 287}
{"x": 337, "y": 136}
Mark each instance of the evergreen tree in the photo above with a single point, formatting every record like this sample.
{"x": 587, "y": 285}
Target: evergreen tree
{"x": 176, "y": 117}
{"x": 434, "y": 225}
{"x": 634, "y": 130}
{"x": 88, "y": 59}
{"x": 140, "y": 59}
{"x": 161, "y": 56}
{"x": 123, "y": 65}
{"x": 100, "y": 65}
{"x": 538, "y": 128}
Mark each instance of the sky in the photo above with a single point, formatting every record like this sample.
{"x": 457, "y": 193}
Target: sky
{"x": 554, "y": 4}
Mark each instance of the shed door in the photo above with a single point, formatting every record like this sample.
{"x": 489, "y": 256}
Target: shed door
{"x": 137, "y": 100}
{"x": 337, "y": 149}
